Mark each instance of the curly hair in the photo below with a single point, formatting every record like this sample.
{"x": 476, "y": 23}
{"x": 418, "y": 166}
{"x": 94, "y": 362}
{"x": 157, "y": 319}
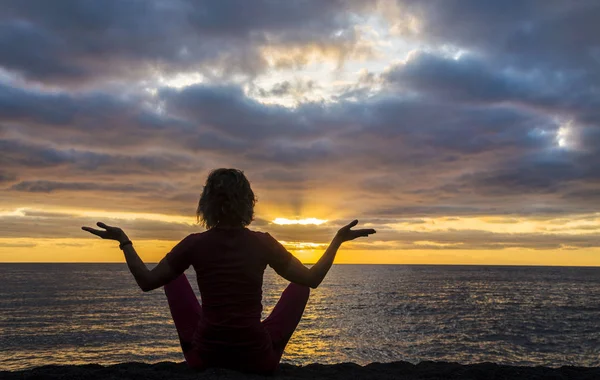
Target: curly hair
{"x": 226, "y": 199}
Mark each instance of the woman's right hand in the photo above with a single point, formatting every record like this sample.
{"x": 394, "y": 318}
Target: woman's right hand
{"x": 111, "y": 233}
{"x": 346, "y": 233}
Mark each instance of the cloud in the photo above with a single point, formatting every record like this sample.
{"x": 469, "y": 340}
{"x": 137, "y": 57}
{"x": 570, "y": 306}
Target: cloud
{"x": 21, "y": 155}
{"x": 17, "y": 245}
{"x": 61, "y": 225}
{"x": 220, "y": 125}
{"x": 473, "y": 79}
{"x": 7, "y": 177}
{"x": 229, "y": 111}
{"x": 52, "y": 186}
{"x": 69, "y": 226}
{"x": 544, "y": 34}
{"x": 296, "y": 89}
{"x": 495, "y": 110}
{"x": 83, "y": 41}
{"x": 466, "y": 78}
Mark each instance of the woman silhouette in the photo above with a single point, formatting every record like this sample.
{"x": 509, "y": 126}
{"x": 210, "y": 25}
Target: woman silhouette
{"x": 229, "y": 260}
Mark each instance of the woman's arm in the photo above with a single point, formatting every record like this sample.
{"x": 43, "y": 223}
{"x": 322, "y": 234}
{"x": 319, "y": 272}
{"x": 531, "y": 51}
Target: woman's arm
{"x": 298, "y": 273}
{"x": 146, "y": 279}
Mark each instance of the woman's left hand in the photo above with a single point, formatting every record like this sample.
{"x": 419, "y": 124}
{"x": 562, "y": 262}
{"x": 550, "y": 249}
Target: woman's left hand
{"x": 111, "y": 233}
{"x": 346, "y": 233}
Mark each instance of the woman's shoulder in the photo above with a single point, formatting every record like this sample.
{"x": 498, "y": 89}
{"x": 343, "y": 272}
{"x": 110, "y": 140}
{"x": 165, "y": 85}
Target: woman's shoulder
{"x": 219, "y": 233}
{"x": 192, "y": 238}
{"x": 264, "y": 239}
{"x": 260, "y": 234}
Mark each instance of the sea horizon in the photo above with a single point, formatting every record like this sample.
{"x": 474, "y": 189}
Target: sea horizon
{"x": 361, "y": 313}
{"x": 336, "y": 264}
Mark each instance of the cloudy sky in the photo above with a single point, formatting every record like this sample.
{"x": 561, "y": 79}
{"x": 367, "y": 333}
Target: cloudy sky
{"x": 463, "y": 131}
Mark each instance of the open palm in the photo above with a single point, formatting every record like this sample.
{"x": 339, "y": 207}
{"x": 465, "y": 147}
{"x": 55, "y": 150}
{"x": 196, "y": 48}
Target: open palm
{"x": 346, "y": 233}
{"x": 110, "y": 233}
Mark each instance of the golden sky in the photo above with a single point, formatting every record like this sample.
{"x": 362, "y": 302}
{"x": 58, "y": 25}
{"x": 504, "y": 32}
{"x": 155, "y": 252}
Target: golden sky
{"x": 440, "y": 240}
{"x": 471, "y": 142}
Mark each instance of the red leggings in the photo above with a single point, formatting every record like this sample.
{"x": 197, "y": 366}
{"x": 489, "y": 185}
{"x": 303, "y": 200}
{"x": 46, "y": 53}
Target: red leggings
{"x": 280, "y": 324}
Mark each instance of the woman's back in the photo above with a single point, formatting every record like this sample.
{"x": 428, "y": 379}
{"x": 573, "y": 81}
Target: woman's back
{"x": 229, "y": 265}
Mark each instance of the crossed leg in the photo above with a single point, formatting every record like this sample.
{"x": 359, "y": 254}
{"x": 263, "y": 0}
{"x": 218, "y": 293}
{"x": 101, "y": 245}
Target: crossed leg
{"x": 186, "y": 313}
{"x": 280, "y": 324}
{"x": 285, "y": 316}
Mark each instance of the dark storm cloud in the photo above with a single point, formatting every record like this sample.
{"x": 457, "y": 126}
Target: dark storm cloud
{"x": 466, "y": 79}
{"x": 544, "y": 34}
{"x": 415, "y": 137}
{"x": 530, "y": 57}
{"x": 475, "y": 80}
{"x": 229, "y": 111}
{"x": 538, "y": 54}
{"x": 53, "y": 186}
{"x": 79, "y": 119}
{"x": 73, "y": 40}
{"x": 101, "y": 119}
{"x": 19, "y": 155}
{"x": 533, "y": 177}
{"x": 17, "y": 104}
{"x": 412, "y": 136}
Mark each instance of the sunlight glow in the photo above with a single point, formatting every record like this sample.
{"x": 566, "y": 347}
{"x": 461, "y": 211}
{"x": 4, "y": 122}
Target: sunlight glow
{"x": 284, "y": 221}
{"x": 300, "y": 245}
{"x": 561, "y": 137}
{"x": 181, "y": 80}
{"x": 428, "y": 243}
{"x": 16, "y": 212}
{"x": 565, "y": 136}
{"x": 99, "y": 214}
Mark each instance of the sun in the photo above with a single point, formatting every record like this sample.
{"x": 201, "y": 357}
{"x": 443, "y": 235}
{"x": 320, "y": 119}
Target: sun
{"x": 305, "y": 221}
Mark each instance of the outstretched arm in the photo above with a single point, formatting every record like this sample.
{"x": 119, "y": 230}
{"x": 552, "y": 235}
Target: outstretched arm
{"x": 298, "y": 273}
{"x": 146, "y": 279}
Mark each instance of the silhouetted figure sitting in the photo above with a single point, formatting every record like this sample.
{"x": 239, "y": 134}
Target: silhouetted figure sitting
{"x": 229, "y": 260}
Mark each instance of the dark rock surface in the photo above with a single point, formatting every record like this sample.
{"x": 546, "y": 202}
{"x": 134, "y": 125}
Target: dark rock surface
{"x": 394, "y": 370}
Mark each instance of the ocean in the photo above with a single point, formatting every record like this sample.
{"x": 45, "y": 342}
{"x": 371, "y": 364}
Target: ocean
{"x": 94, "y": 313}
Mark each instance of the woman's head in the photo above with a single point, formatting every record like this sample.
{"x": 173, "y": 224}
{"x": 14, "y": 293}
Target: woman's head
{"x": 226, "y": 199}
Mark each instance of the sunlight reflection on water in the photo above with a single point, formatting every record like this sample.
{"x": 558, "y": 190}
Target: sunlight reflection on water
{"x": 93, "y": 313}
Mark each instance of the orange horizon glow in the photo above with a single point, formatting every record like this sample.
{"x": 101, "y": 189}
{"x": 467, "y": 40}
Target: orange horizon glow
{"x": 152, "y": 251}
{"x": 304, "y": 221}
{"x": 78, "y": 247}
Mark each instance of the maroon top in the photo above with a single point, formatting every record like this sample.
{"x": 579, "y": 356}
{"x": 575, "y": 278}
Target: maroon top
{"x": 229, "y": 265}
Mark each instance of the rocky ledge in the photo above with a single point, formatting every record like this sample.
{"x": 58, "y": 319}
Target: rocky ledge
{"x": 394, "y": 370}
